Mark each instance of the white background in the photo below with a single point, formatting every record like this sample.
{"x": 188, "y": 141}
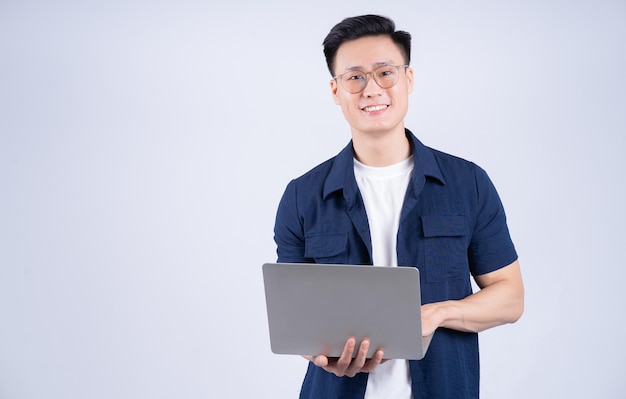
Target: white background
{"x": 144, "y": 147}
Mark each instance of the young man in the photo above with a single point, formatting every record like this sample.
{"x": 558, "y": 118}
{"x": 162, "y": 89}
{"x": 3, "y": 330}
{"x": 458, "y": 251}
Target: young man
{"x": 388, "y": 200}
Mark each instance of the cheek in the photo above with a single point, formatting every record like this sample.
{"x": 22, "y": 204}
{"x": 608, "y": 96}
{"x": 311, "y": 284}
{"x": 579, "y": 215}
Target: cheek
{"x": 347, "y": 103}
{"x": 345, "y": 108}
{"x": 402, "y": 95}
{"x": 351, "y": 108}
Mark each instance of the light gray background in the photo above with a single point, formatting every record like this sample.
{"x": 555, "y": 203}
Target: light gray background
{"x": 144, "y": 147}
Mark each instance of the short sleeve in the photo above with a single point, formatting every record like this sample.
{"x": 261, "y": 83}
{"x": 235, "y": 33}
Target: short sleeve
{"x": 491, "y": 247}
{"x": 288, "y": 231}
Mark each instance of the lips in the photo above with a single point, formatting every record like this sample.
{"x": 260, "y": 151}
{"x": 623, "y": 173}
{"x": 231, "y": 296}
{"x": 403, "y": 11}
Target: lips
{"x": 374, "y": 108}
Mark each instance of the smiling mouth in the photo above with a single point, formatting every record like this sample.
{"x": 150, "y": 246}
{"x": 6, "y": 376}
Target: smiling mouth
{"x": 373, "y": 108}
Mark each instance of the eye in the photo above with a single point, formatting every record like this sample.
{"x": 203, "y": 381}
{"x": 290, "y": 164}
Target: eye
{"x": 354, "y": 76}
{"x": 387, "y": 72}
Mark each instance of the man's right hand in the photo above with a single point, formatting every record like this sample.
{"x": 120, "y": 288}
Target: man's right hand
{"x": 346, "y": 365}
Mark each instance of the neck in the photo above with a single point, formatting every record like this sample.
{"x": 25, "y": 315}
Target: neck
{"x": 381, "y": 150}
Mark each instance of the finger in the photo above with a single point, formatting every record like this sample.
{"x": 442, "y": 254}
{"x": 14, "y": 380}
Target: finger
{"x": 320, "y": 361}
{"x": 361, "y": 357}
{"x": 372, "y": 363}
{"x": 346, "y": 357}
{"x": 359, "y": 361}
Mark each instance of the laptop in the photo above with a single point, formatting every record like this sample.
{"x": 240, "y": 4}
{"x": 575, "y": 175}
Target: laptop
{"x": 313, "y": 309}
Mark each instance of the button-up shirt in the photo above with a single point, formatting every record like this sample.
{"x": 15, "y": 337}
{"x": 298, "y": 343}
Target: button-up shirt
{"x": 452, "y": 226}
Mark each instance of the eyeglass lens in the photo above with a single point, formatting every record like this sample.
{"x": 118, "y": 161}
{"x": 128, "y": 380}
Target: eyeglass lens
{"x": 385, "y": 76}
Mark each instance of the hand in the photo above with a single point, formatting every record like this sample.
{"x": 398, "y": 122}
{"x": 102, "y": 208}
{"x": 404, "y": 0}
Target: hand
{"x": 345, "y": 365}
{"x": 431, "y": 318}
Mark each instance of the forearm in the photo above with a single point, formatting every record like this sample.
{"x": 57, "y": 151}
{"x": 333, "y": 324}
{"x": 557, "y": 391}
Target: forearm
{"x": 490, "y": 307}
{"x": 500, "y": 301}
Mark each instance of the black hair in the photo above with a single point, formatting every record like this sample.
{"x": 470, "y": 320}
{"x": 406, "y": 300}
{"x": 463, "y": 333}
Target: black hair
{"x": 364, "y": 25}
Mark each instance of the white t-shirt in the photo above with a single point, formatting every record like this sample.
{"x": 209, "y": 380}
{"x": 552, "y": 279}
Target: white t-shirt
{"x": 383, "y": 190}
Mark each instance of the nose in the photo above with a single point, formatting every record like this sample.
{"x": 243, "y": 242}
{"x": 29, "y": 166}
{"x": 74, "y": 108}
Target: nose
{"x": 371, "y": 87}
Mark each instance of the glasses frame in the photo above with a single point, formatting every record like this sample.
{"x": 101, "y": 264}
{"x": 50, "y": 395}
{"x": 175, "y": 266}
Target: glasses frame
{"x": 367, "y": 77}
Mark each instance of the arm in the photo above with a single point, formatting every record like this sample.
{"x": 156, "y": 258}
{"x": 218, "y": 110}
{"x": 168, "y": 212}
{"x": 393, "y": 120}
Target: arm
{"x": 499, "y": 301}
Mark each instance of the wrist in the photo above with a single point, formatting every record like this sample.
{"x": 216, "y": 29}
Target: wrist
{"x": 449, "y": 314}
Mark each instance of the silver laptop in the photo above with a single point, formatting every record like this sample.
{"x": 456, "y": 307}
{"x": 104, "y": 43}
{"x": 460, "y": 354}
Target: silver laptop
{"x": 313, "y": 308}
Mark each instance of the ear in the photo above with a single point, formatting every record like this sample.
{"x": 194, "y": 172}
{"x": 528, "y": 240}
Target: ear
{"x": 333, "y": 89}
{"x": 409, "y": 79}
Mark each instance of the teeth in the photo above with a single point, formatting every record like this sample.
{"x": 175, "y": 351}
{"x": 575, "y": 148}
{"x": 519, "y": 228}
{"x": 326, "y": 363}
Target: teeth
{"x": 373, "y": 108}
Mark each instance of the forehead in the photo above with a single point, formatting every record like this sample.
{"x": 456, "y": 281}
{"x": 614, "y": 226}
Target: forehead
{"x": 367, "y": 52}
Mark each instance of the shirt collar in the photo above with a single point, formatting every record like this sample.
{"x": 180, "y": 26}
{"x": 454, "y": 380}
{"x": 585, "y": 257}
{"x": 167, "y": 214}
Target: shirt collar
{"x": 341, "y": 175}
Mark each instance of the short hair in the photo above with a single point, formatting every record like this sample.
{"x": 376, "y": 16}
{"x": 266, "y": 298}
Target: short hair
{"x": 361, "y": 26}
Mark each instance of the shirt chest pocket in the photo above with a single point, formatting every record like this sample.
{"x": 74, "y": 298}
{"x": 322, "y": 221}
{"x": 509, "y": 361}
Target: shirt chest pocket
{"x": 327, "y": 248}
{"x": 445, "y": 247}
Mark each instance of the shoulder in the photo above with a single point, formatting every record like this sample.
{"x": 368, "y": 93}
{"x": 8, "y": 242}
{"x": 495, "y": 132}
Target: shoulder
{"x": 329, "y": 176}
{"x": 452, "y": 163}
{"x": 459, "y": 178}
{"x": 457, "y": 170}
{"x": 444, "y": 167}
{"x": 309, "y": 187}
{"x": 316, "y": 175}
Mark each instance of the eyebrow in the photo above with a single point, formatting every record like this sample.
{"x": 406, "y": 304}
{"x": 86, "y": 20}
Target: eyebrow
{"x": 374, "y": 66}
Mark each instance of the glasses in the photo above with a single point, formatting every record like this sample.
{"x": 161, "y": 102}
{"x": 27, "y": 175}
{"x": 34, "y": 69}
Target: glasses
{"x": 355, "y": 81}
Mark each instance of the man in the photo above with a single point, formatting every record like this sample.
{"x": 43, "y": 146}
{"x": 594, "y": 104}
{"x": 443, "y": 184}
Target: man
{"x": 388, "y": 200}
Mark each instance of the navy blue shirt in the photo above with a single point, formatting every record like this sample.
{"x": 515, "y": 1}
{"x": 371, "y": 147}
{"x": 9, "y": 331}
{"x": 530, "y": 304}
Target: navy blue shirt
{"x": 452, "y": 225}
